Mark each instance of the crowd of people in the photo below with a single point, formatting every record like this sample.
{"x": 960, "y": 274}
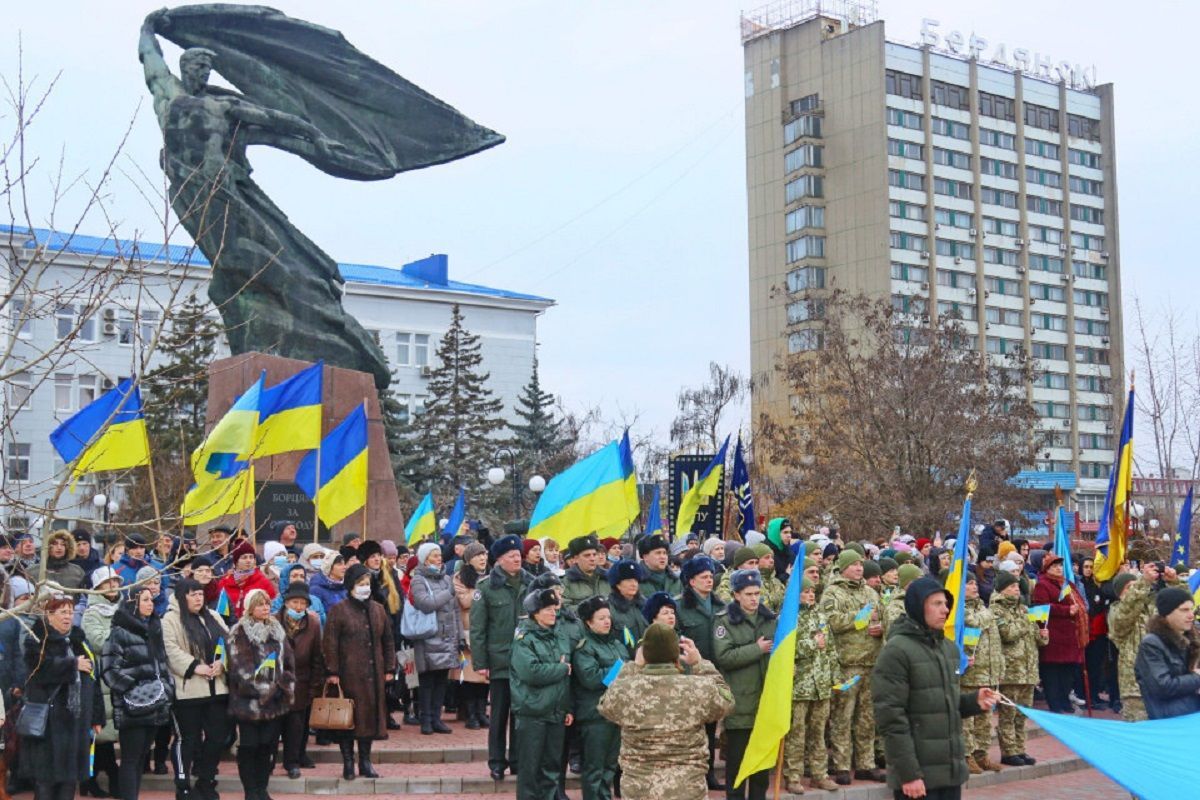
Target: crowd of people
{"x": 632, "y": 662}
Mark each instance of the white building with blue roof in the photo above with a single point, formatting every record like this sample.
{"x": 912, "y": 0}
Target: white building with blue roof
{"x": 408, "y": 308}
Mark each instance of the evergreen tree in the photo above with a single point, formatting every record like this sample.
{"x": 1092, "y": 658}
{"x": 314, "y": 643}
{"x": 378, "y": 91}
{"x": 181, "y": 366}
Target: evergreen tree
{"x": 540, "y": 439}
{"x": 404, "y": 445}
{"x": 461, "y": 414}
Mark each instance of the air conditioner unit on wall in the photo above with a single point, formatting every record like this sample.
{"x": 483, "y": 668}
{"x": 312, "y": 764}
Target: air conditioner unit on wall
{"x": 109, "y": 329}
{"x": 1066, "y": 423}
{"x": 110, "y": 313}
{"x": 426, "y": 371}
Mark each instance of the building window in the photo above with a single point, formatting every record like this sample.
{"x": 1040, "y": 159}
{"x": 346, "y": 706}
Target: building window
{"x": 1087, "y": 214}
{"x": 904, "y": 119}
{"x": 949, "y": 247}
{"x": 997, "y": 107}
{"x": 955, "y": 219}
{"x": 908, "y": 304}
{"x": 1047, "y": 322}
{"x": 1046, "y": 263}
{"x": 1006, "y": 286}
{"x": 1094, "y": 469}
{"x": 805, "y": 311}
{"x": 1093, "y": 413}
{"x": 421, "y": 349}
{"x": 1051, "y": 380}
{"x": 1091, "y": 327}
{"x": 20, "y": 389}
{"x": 903, "y": 84}
{"x": 995, "y": 166}
{"x": 1042, "y": 291}
{"x": 1043, "y": 177}
{"x": 903, "y": 149}
{"x": 808, "y": 126}
{"x": 947, "y": 127}
{"x": 805, "y": 247}
{"x": 1083, "y": 127}
{"x": 1087, "y": 297}
{"x": 87, "y": 390}
{"x": 1000, "y": 227}
{"x": 1083, "y": 158}
{"x": 808, "y": 155}
{"x": 1086, "y": 186}
{"x": 805, "y": 217}
{"x": 1049, "y": 352}
{"x": 1086, "y": 269}
{"x": 1086, "y": 241}
{"x": 950, "y": 95}
{"x": 1005, "y": 316}
{"x": 995, "y": 255}
{"x": 960, "y": 311}
{"x": 955, "y": 280}
{"x": 21, "y": 322}
{"x": 804, "y": 186}
{"x": 1052, "y": 410}
{"x": 1037, "y": 147}
{"x": 65, "y": 321}
{"x": 63, "y": 386}
{"x": 1092, "y": 383}
{"x": 909, "y": 272}
{"x": 906, "y": 180}
{"x": 147, "y": 325}
{"x": 963, "y": 190}
{"x": 18, "y": 461}
{"x": 806, "y": 340}
{"x": 1044, "y": 233}
{"x": 806, "y": 278}
{"x": 809, "y": 102}
{"x": 902, "y": 209}
{"x": 998, "y": 197}
{"x": 1043, "y": 205}
{"x": 951, "y": 158}
{"x": 908, "y": 241}
{"x": 995, "y": 138}
{"x": 403, "y": 349}
{"x": 1041, "y": 117}
{"x": 1000, "y": 347}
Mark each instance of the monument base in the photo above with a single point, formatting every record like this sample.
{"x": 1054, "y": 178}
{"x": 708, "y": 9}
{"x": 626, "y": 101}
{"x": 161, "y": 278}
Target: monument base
{"x": 343, "y": 391}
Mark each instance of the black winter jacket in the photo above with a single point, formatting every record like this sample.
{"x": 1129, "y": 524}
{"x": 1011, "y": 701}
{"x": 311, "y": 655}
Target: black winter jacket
{"x": 134, "y": 653}
{"x": 1163, "y": 670}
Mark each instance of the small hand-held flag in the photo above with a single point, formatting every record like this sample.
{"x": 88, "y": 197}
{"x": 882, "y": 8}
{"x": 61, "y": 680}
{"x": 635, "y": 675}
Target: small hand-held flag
{"x": 219, "y": 650}
{"x": 223, "y": 604}
{"x": 87, "y": 651}
{"x": 1181, "y": 550}
{"x": 971, "y": 636}
{"x": 92, "y": 757}
{"x": 863, "y": 618}
{"x": 629, "y": 640}
{"x": 1039, "y": 613}
{"x": 846, "y": 686}
{"x": 613, "y": 672}
{"x": 267, "y": 663}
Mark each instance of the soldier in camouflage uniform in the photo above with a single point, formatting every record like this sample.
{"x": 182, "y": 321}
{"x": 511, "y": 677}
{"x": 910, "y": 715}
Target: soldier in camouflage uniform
{"x": 1020, "y": 638}
{"x": 659, "y": 577}
{"x": 894, "y": 609}
{"x": 852, "y": 718}
{"x": 662, "y": 702}
{"x": 986, "y": 669}
{"x": 812, "y": 571}
{"x": 773, "y": 589}
{"x": 585, "y": 578}
{"x": 625, "y": 603}
{"x": 889, "y": 578}
{"x": 744, "y": 558}
{"x": 597, "y": 652}
{"x": 816, "y": 672}
{"x": 1127, "y": 618}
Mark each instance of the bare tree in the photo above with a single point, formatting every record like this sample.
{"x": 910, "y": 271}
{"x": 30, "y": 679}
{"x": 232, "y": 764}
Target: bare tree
{"x": 697, "y": 426}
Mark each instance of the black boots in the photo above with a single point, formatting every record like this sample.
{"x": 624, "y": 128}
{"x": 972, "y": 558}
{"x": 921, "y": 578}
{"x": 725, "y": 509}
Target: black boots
{"x": 205, "y": 789}
{"x": 347, "y": 748}
{"x": 365, "y": 768}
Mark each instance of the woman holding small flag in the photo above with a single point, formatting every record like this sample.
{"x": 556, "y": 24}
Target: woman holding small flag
{"x": 244, "y": 578}
{"x": 261, "y": 684}
{"x": 195, "y": 637}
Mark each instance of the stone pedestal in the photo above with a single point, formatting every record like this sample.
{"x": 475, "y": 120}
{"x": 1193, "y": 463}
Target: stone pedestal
{"x": 344, "y": 390}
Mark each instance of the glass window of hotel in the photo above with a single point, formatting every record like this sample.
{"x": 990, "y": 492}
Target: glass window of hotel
{"x": 87, "y": 390}
{"x": 1046, "y": 263}
{"x": 1043, "y": 205}
{"x": 1087, "y": 186}
{"x": 1051, "y": 380}
{"x": 949, "y": 247}
{"x": 903, "y": 149}
{"x": 1041, "y": 117}
{"x": 806, "y": 278}
{"x": 421, "y": 350}
{"x": 1043, "y": 177}
{"x": 804, "y": 186}
{"x": 805, "y": 217}
{"x": 1044, "y": 233}
{"x": 960, "y": 189}
{"x": 996, "y": 255}
{"x": 20, "y": 389}
{"x": 1087, "y": 214}
{"x": 997, "y": 167}
{"x": 946, "y": 127}
{"x": 801, "y": 341}
{"x": 1086, "y": 241}
{"x": 955, "y": 219}
{"x": 997, "y": 107}
{"x": 1086, "y": 269}
{"x": 808, "y": 155}
{"x": 1004, "y": 316}
{"x": 1047, "y": 322}
{"x": 956, "y": 280}
{"x": 998, "y": 346}
{"x": 1000, "y": 227}
{"x": 807, "y": 125}
{"x": 951, "y": 158}
{"x": 64, "y": 321}
{"x": 1092, "y": 383}
{"x": 18, "y": 461}
{"x": 906, "y": 180}
{"x": 961, "y": 311}
{"x": 909, "y": 304}
{"x": 909, "y": 272}
{"x": 994, "y": 138}
{"x": 125, "y": 326}
{"x": 902, "y": 209}
{"x": 1086, "y": 297}
{"x": 1093, "y": 413}
{"x": 1094, "y": 469}
{"x": 1093, "y": 327}
{"x": 807, "y": 103}
{"x": 1083, "y": 127}
{"x": 903, "y": 119}
{"x": 1050, "y": 352}
{"x": 806, "y": 247}
{"x": 950, "y": 95}
{"x": 907, "y": 241}
{"x": 1083, "y": 158}
{"x": 1042, "y": 291}
{"x": 805, "y": 310}
{"x": 21, "y": 321}
{"x": 147, "y": 325}
{"x": 903, "y": 84}
{"x": 998, "y": 197}
{"x": 1037, "y": 147}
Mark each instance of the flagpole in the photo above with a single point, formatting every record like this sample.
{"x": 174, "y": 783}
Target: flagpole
{"x": 317, "y": 496}
{"x": 154, "y": 499}
{"x": 778, "y": 771}
{"x": 368, "y": 493}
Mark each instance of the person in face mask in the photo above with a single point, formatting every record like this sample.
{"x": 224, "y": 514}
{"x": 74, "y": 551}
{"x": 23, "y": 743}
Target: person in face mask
{"x": 360, "y": 656}
{"x": 433, "y": 593}
{"x": 293, "y": 574}
{"x": 303, "y": 629}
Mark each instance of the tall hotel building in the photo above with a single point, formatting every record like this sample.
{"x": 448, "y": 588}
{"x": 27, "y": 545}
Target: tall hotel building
{"x": 980, "y": 182}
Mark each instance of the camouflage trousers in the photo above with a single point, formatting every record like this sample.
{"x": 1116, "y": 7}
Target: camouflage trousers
{"x": 977, "y": 730}
{"x": 852, "y": 723}
{"x": 1132, "y": 709}
{"x": 1011, "y": 728}
{"x": 804, "y": 749}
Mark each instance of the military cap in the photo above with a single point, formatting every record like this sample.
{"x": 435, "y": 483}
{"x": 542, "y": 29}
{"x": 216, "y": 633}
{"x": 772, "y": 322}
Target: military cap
{"x": 581, "y": 544}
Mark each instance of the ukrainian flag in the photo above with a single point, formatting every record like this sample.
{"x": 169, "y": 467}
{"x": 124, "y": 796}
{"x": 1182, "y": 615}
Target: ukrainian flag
{"x": 1062, "y": 549}
{"x": 1039, "y": 613}
{"x": 458, "y": 515}
{"x": 654, "y": 523}
{"x": 774, "y": 715}
{"x": 108, "y": 434}
{"x": 707, "y": 484}
{"x": 289, "y": 414}
{"x": 221, "y": 464}
{"x": 267, "y": 663}
{"x": 956, "y": 584}
{"x": 342, "y": 487}
{"x": 597, "y": 493}
{"x": 423, "y": 521}
{"x": 1194, "y": 586}
{"x": 1110, "y": 538}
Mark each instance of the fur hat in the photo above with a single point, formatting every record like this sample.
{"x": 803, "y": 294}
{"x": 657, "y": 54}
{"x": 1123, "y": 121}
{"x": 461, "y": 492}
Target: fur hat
{"x": 588, "y": 608}
{"x": 369, "y": 548}
{"x": 654, "y": 604}
{"x": 505, "y": 544}
{"x": 546, "y": 580}
{"x": 660, "y": 644}
{"x": 582, "y": 544}
{"x": 696, "y": 565}
{"x": 648, "y": 544}
{"x": 739, "y": 579}
{"x": 847, "y": 557}
{"x": 538, "y": 599}
{"x": 623, "y": 570}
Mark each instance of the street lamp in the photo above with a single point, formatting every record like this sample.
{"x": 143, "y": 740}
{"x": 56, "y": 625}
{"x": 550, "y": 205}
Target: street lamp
{"x": 496, "y": 476}
{"x": 107, "y": 507}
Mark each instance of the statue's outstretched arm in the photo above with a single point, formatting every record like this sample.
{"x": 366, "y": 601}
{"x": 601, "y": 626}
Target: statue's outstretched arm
{"x": 282, "y": 123}
{"x": 162, "y": 84}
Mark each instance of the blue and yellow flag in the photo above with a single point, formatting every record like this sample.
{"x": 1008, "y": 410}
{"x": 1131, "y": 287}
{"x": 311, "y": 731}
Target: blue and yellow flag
{"x": 773, "y": 718}
{"x": 847, "y": 685}
{"x": 654, "y": 523}
{"x": 289, "y": 414}
{"x": 1181, "y": 550}
{"x": 630, "y": 642}
{"x": 267, "y": 663}
{"x": 956, "y": 584}
{"x": 863, "y": 618}
{"x": 458, "y": 515}
{"x": 423, "y": 521}
{"x": 595, "y": 494}
{"x": 1062, "y": 549}
{"x": 219, "y": 650}
{"x": 223, "y": 608}
{"x": 107, "y": 434}
{"x": 971, "y": 636}
{"x": 1039, "y": 613}
{"x": 708, "y": 483}
{"x": 342, "y": 488}
{"x": 1194, "y": 586}
{"x": 1110, "y": 536}
{"x": 221, "y": 464}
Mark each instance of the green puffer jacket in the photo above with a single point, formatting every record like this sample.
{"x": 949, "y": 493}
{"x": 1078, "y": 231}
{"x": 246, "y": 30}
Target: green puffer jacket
{"x": 578, "y": 587}
{"x": 1019, "y": 640}
{"x": 989, "y": 660}
{"x": 627, "y": 615}
{"x": 591, "y": 660}
{"x": 817, "y": 669}
{"x": 541, "y": 685}
{"x": 918, "y": 707}
{"x": 495, "y": 609}
{"x": 840, "y": 603}
{"x": 740, "y": 660}
{"x": 694, "y": 622}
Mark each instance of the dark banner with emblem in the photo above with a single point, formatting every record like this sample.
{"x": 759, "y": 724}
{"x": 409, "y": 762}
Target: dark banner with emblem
{"x": 277, "y": 502}
{"x": 683, "y": 471}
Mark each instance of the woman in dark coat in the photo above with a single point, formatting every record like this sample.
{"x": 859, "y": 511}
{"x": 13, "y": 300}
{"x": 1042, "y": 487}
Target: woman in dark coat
{"x": 62, "y": 674}
{"x": 261, "y": 684}
{"x": 303, "y": 629}
{"x": 1168, "y": 656}
{"x": 433, "y": 593}
{"x": 134, "y": 654}
{"x": 1062, "y": 655}
{"x": 360, "y": 656}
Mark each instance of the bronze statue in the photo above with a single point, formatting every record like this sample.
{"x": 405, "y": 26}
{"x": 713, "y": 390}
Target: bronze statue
{"x": 304, "y": 89}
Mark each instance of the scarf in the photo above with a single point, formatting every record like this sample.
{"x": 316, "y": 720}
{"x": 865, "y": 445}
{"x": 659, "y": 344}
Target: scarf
{"x": 242, "y": 577}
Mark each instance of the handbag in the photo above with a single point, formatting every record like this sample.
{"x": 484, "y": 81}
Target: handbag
{"x": 331, "y": 713}
{"x": 147, "y": 697}
{"x": 416, "y": 624}
{"x": 34, "y": 717}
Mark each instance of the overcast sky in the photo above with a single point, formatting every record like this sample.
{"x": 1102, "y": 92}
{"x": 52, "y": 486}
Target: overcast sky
{"x": 620, "y": 192}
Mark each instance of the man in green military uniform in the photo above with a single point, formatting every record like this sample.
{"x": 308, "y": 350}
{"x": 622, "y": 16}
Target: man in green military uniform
{"x": 568, "y": 628}
{"x": 888, "y": 579}
{"x": 593, "y": 657}
{"x": 816, "y": 672}
{"x": 742, "y": 637}
{"x": 697, "y": 608}
{"x": 655, "y": 553}
{"x": 743, "y": 558}
{"x": 540, "y": 676}
{"x": 852, "y": 609}
{"x": 625, "y": 603}
{"x": 986, "y": 669}
{"x": 663, "y": 701}
{"x": 585, "y": 578}
{"x": 1127, "y": 620}
{"x": 495, "y": 609}
{"x": 773, "y": 589}
{"x": 893, "y": 609}
{"x": 1020, "y": 639}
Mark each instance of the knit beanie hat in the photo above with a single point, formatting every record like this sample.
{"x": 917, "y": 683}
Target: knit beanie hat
{"x": 886, "y": 565}
{"x": 848, "y": 557}
{"x": 332, "y": 559}
{"x": 743, "y": 555}
{"x": 871, "y": 569}
{"x": 761, "y": 550}
{"x": 1003, "y": 581}
{"x": 831, "y": 551}
{"x": 425, "y": 551}
{"x": 389, "y": 548}
{"x": 908, "y": 573}
{"x": 1005, "y": 548}
{"x": 1121, "y": 581}
{"x": 710, "y": 545}
{"x": 1170, "y": 599}
{"x": 903, "y": 557}
{"x": 660, "y": 644}
{"x": 857, "y": 547}
{"x": 754, "y": 537}
{"x": 146, "y": 574}
{"x": 806, "y": 584}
